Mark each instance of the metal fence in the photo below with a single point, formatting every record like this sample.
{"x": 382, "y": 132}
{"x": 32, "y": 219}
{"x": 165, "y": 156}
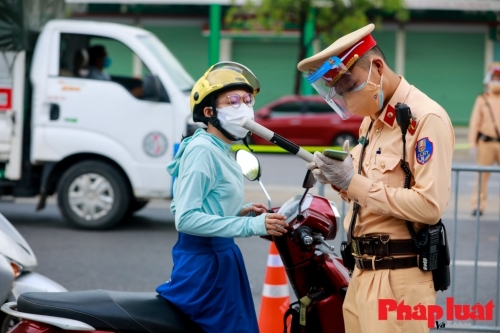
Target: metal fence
{"x": 468, "y": 292}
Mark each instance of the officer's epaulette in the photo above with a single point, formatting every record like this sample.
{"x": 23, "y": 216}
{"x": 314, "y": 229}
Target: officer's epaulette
{"x": 413, "y": 125}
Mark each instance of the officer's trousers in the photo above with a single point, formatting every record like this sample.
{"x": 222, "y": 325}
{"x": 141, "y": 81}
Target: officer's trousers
{"x": 487, "y": 154}
{"x": 367, "y": 287}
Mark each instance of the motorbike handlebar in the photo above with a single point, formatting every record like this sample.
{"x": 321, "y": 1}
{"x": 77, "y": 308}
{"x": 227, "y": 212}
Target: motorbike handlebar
{"x": 305, "y": 236}
{"x": 277, "y": 139}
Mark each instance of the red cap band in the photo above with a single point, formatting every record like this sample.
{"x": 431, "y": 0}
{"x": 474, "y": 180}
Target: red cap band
{"x": 351, "y": 56}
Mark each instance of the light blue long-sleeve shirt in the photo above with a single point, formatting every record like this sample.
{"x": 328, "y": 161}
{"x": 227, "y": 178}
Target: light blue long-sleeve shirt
{"x": 208, "y": 191}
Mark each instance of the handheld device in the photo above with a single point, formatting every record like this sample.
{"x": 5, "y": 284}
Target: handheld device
{"x": 338, "y": 155}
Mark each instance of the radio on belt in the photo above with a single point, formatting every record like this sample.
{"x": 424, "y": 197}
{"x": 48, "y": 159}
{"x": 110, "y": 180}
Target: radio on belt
{"x": 429, "y": 251}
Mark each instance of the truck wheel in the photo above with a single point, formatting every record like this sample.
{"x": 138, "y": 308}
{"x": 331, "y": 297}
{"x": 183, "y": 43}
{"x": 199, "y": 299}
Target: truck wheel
{"x": 93, "y": 195}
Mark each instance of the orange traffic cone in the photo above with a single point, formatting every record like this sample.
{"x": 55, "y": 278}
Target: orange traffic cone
{"x": 275, "y": 296}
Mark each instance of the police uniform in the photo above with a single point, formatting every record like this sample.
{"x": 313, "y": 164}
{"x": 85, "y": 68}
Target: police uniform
{"x": 384, "y": 204}
{"x": 483, "y": 136}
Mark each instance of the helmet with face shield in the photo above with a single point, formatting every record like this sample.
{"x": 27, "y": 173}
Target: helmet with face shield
{"x": 329, "y": 70}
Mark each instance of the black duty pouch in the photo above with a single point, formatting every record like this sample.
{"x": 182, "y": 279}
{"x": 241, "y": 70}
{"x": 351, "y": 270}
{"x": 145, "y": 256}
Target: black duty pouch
{"x": 347, "y": 257}
{"x": 441, "y": 275}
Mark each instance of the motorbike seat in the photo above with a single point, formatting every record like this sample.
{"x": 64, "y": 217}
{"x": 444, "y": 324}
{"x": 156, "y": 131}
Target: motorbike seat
{"x": 144, "y": 312}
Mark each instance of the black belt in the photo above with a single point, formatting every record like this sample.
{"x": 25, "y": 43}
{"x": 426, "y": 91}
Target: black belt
{"x": 385, "y": 263}
{"x": 486, "y": 138}
{"x": 382, "y": 246}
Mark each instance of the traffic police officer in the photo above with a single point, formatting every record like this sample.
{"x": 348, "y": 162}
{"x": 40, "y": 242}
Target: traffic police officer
{"x": 354, "y": 78}
{"x": 484, "y": 132}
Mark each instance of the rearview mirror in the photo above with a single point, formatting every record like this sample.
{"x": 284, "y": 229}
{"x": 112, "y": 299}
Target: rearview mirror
{"x": 249, "y": 164}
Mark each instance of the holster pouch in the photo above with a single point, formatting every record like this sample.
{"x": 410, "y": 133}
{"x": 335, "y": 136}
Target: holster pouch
{"x": 441, "y": 275}
{"x": 347, "y": 257}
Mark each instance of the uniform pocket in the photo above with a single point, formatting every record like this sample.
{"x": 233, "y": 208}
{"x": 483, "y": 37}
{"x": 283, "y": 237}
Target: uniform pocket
{"x": 386, "y": 168}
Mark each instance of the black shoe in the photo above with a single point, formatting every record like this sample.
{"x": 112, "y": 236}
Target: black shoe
{"x": 474, "y": 212}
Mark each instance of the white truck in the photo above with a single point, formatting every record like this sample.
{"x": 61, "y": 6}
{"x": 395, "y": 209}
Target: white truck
{"x": 102, "y": 144}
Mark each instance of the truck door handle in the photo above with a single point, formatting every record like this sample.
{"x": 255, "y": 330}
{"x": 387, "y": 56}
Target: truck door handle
{"x": 54, "y": 111}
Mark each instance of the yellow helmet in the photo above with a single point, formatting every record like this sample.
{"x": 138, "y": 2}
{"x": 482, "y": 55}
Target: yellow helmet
{"x": 221, "y": 76}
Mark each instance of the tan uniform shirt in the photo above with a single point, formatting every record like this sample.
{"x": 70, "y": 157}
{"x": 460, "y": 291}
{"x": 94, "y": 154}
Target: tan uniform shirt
{"x": 385, "y": 204}
{"x": 481, "y": 118}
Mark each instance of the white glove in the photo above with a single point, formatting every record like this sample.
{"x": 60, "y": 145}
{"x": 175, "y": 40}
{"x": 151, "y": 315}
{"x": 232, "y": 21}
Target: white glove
{"x": 473, "y": 152}
{"x": 338, "y": 173}
{"x": 317, "y": 173}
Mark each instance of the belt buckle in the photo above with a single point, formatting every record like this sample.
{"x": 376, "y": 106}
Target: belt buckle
{"x": 355, "y": 247}
{"x": 359, "y": 263}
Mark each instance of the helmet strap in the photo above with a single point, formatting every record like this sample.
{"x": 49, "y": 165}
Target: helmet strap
{"x": 246, "y": 142}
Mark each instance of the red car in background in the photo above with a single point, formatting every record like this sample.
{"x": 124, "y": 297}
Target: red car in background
{"x": 306, "y": 121}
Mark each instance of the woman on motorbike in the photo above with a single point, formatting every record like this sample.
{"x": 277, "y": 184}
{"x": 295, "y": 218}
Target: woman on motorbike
{"x": 209, "y": 282}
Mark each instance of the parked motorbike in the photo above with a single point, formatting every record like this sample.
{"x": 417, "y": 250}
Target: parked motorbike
{"x": 17, "y": 262}
{"x": 316, "y": 274}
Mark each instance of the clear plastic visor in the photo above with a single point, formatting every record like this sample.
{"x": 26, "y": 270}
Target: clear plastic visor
{"x": 331, "y": 80}
{"x": 229, "y": 72}
{"x": 492, "y": 75}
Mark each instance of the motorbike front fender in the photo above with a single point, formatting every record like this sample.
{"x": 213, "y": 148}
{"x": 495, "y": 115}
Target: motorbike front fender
{"x": 32, "y": 281}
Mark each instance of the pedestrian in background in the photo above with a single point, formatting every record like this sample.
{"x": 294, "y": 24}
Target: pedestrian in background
{"x": 484, "y": 132}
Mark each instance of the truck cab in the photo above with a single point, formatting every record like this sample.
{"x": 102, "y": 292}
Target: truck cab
{"x": 109, "y": 104}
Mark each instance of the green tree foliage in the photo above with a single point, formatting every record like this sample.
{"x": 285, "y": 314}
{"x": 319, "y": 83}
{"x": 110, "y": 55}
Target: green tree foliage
{"x": 332, "y": 18}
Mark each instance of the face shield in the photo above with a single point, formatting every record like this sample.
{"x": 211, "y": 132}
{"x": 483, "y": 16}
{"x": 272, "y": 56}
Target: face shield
{"x": 227, "y": 73}
{"x": 331, "y": 80}
{"x": 492, "y": 75}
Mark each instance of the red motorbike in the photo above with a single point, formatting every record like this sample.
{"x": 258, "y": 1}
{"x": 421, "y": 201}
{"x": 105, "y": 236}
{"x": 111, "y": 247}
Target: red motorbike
{"x": 314, "y": 272}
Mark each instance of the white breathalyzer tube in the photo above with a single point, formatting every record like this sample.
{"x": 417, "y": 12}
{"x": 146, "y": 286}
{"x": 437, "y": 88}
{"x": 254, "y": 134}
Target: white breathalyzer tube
{"x": 277, "y": 139}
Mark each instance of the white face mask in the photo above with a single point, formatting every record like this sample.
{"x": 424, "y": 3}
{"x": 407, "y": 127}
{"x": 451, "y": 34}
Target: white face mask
{"x": 230, "y": 119}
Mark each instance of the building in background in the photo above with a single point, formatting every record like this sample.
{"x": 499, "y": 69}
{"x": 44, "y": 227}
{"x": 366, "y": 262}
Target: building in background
{"x": 443, "y": 49}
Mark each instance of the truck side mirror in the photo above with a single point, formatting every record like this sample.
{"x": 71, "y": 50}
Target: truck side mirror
{"x": 153, "y": 89}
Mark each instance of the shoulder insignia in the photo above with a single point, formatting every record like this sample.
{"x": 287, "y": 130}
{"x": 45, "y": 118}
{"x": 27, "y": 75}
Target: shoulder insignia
{"x": 424, "y": 150}
{"x": 413, "y": 125}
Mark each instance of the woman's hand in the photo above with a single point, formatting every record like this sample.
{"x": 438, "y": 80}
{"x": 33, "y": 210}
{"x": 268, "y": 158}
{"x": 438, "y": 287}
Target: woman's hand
{"x": 257, "y": 208}
{"x": 275, "y": 224}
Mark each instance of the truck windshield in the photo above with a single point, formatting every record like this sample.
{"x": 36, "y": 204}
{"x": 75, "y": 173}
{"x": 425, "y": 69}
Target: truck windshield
{"x": 168, "y": 61}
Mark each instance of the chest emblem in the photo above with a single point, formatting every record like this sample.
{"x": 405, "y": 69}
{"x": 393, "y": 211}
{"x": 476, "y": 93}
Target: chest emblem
{"x": 424, "y": 150}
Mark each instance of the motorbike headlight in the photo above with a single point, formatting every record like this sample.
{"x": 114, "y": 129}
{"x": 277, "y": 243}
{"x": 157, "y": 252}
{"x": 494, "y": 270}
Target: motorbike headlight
{"x": 16, "y": 268}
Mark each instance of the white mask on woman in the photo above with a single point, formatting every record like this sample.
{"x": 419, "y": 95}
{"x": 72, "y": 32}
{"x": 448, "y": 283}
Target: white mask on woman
{"x": 230, "y": 119}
